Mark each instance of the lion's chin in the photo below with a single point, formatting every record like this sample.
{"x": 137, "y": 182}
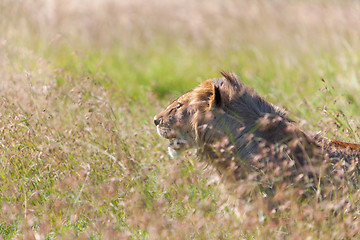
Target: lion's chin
{"x": 176, "y": 147}
{"x": 165, "y": 132}
{"x": 173, "y": 152}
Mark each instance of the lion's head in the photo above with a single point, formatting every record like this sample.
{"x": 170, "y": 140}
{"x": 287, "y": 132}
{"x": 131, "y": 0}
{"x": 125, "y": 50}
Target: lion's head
{"x": 176, "y": 122}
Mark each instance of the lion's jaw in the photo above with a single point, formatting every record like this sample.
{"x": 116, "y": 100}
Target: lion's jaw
{"x": 177, "y": 143}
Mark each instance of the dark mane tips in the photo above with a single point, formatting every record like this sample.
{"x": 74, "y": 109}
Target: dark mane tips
{"x": 231, "y": 77}
{"x": 233, "y": 80}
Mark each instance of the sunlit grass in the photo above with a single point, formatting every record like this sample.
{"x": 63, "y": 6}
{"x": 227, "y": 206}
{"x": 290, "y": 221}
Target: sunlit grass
{"x": 80, "y": 157}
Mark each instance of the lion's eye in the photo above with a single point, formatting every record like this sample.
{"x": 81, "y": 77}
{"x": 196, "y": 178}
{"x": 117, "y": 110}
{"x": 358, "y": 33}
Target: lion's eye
{"x": 179, "y": 105}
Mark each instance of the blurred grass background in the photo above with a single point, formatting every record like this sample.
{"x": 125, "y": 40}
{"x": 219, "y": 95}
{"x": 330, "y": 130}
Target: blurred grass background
{"x": 82, "y": 80}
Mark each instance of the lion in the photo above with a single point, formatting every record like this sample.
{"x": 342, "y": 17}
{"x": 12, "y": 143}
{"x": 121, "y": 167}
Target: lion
{"x": 234, "y": 129}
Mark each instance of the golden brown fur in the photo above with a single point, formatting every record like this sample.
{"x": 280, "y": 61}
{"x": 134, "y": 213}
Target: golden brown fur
{"x": 235, "y": 130}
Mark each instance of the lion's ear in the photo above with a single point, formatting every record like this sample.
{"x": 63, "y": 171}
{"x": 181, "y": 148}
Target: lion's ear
{"x": 217, "y": 96}
{"x": 209, "y": 91}
{"x": 215, "y": 99}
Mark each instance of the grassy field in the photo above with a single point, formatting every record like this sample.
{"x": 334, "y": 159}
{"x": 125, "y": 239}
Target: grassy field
{"x": 80, "y": 82}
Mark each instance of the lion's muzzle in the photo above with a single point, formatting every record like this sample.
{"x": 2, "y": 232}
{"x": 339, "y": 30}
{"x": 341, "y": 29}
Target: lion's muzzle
{"x": 156, "y": 121}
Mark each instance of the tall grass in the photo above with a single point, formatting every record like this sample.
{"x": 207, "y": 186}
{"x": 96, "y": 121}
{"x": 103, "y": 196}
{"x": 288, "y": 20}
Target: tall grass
{"x": 81, "y": 82}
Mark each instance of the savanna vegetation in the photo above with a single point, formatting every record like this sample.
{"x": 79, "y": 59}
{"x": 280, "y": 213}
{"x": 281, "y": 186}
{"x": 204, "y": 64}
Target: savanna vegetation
{"x": 80, "y": 82}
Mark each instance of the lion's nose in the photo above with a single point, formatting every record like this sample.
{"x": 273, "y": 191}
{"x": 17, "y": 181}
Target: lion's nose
{"x": 156, "y": 121}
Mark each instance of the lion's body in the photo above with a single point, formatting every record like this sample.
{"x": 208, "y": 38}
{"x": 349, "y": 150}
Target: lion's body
{"x": 235, "y": 129}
